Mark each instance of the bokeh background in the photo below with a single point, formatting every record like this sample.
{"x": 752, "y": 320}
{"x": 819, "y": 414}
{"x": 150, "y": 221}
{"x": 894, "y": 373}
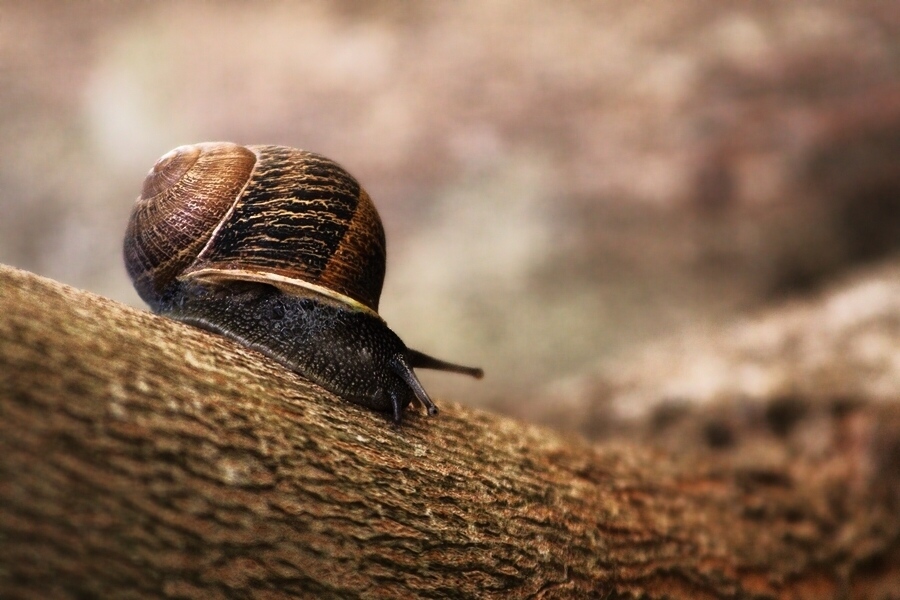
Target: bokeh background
{"x": 561, "y": 183}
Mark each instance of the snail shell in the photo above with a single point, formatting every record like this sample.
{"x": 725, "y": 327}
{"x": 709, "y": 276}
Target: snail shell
{"x": 282, "y": 250}
{"x": 291, "y": 218}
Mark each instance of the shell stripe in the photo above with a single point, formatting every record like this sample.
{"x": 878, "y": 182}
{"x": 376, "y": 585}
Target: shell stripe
{"x": 293, "y": 222}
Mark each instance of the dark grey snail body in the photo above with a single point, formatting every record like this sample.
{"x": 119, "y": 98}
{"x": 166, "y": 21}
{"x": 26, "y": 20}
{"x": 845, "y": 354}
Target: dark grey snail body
{"x": 283, "y": 251}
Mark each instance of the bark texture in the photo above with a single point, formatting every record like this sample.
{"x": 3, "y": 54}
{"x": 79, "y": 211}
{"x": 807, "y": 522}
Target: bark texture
{"x": 141, "y": 458}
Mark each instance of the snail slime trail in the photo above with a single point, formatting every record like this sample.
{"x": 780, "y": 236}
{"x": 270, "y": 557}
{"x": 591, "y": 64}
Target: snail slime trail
{"x": 282, "y": 250}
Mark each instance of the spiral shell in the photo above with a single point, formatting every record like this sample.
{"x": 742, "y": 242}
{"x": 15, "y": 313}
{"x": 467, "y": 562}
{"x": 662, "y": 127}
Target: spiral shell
{"x": 219, "y": 212}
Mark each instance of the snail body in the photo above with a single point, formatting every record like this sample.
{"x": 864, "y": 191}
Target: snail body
{"x": 282, "y": 250}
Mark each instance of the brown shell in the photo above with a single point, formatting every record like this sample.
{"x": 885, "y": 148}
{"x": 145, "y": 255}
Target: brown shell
{"x": 218, "y": 212}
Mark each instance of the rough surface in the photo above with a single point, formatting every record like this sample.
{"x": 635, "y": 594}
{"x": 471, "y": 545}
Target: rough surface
{"x": 140, "y": 458}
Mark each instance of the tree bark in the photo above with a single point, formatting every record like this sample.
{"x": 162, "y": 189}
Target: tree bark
{"x": 142, "y": 458}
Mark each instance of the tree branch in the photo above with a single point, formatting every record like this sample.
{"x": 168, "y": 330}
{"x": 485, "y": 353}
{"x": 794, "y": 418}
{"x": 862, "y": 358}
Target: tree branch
{"x": 142, "y": 458}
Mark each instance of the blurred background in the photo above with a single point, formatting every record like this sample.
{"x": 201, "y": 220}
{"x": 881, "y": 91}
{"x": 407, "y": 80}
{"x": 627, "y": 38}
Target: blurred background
{"x": 561, "y": 183}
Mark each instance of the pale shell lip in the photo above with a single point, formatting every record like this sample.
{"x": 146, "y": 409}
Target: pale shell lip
{"x": 286, "y": 284}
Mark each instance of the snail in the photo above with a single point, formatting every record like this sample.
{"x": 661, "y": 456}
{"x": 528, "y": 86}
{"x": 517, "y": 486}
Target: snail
{"x": 283, "y": 251}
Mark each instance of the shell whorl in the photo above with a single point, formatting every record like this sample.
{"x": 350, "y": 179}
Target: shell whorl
{"x": 184, "y": 197}
{"x": 218, "y": 212}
